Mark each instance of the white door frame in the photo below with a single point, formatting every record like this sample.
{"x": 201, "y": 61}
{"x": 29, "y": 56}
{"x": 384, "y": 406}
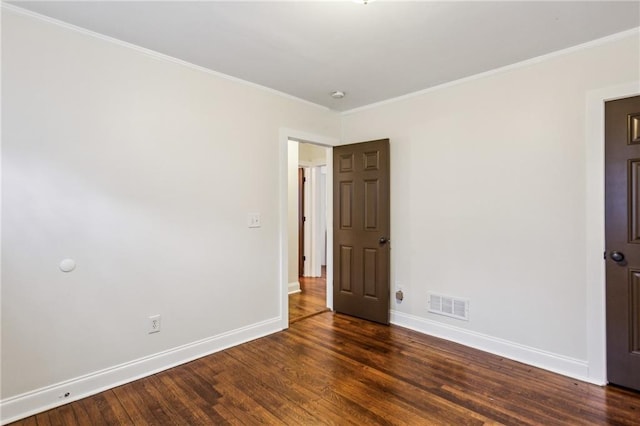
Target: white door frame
{"x": 595, "y": 226}
{"x": 309, "y": 216}
{"x": 284, "y": 137}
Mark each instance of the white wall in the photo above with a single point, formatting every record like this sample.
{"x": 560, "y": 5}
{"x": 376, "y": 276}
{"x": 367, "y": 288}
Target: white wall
{"x": 312, "y": 155}
{"x": 488, "y": 200}
{"x": 143, "y": 170}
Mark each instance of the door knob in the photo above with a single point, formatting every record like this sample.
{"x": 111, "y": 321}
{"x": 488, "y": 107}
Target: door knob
{"x": 383, "y": 240}
{"x": 616, "y": 256}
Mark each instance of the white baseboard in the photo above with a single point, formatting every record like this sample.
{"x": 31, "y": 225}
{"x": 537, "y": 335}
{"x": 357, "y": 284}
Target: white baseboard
{"x": 571, "y": 367}
{"x": 294, "y": 287}
{"x": 27, "y": 404}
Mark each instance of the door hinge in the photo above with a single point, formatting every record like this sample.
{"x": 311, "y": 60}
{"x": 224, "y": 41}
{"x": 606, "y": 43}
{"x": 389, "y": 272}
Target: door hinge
{"x": 304, "y": 180}
{"x": 304, "y": 258}
{"x": 304, "y": 218}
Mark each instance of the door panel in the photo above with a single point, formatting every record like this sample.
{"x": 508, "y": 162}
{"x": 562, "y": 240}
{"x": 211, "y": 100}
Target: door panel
{"x": 345, "y": 269}
{"x": 622, "y": 227}
{"x": 361, "y": 216}
{"x": 634, "y": 200}
{"x": 371, "y": 202}
{"x": 346, "y": 205}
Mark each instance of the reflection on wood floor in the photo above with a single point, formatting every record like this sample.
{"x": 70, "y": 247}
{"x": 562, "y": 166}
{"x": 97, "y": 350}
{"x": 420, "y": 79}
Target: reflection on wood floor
{"x": 311, "y": 300}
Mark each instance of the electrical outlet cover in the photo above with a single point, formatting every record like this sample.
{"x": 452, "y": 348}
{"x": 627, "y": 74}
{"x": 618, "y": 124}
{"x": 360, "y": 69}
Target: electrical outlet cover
{"x": 154, "y": 324}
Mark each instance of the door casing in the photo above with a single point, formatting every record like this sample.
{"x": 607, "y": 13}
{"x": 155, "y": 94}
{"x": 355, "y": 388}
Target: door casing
{"x": 621, "y": 190}
{"x": 595, "y": 243}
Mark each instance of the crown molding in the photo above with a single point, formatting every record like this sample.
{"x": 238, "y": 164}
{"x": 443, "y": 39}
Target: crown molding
{"x": 506, "y": 68}
{"x": 161, "y": 56}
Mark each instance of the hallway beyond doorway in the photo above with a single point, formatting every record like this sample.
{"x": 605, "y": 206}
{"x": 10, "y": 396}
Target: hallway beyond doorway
{"x": 311, "y": 300}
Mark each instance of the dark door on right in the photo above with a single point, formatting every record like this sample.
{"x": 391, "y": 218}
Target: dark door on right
{"x": 622, "y": 227}
{"x": 361, "y": 230}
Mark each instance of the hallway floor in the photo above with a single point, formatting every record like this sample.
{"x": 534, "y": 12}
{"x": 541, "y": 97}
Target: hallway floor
{"x": 311, "y": 300}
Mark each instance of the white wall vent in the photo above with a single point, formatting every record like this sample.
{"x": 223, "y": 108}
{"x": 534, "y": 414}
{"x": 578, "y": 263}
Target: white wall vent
{"x": 449, "y": 306}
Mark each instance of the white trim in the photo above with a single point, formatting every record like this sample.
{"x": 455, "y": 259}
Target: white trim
{"x": 316, "y": 246}
{"x": 527, "y": 62}
{"x": 294, "y": 287}
{"x": 594, "y": 221}
{"x": 152, "y": 53}
{"x": 329, "y": 227}
{"x": 306, "y": 225}
{"x": 314, "y": 238}
{"x": 560, "y": 364}
{"x": 314, "y": 163}
{"x": 43, "y": 399}
{"x": 285, "y": 135}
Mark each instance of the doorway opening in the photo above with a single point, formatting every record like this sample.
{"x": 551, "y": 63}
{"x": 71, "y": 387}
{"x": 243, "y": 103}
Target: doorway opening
{"x": 309, "y": 227}
{"x": 310, "y": 300}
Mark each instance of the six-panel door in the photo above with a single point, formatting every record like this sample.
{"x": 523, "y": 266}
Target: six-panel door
{"x": 361, "y": 230}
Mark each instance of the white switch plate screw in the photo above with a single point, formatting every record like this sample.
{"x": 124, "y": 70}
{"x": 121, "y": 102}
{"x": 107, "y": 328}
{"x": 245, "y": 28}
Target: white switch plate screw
{"x": 154, "y": 324}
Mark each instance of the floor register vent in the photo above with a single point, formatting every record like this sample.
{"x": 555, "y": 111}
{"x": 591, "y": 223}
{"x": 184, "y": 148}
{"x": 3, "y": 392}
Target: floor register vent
{"x": 449, "y": 306}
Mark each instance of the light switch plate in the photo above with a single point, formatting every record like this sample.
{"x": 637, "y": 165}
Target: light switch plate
{"x": 254, "y": 220}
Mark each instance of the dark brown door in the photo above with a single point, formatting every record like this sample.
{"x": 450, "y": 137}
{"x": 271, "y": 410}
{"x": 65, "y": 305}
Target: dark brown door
{"x": 301, "y": 219}
{"x": 622, "y": 212}
{"x": 361, "y": 230}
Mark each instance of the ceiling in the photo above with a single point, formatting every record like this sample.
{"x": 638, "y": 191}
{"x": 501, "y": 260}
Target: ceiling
{"x": 373, "y": 52}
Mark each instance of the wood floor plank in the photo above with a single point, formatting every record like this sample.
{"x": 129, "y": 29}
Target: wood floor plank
{"x": 411, "y": 399}
{"x": 141, "y": 407}
{"x": 94, "y": 407}
{"x": 407, "y": 373}
{"x": 29, "y": 421}
{"x": 337, "y": 370}
{"x": 165, "y": 390}
{"x": 239, "y": 402}
{"x": 43, "y": 419}
{"x": 314, "y": 389}
{"x": 268, "y": 393}
{"x": 116, "y": 410}
{"x": 200, "y": 407}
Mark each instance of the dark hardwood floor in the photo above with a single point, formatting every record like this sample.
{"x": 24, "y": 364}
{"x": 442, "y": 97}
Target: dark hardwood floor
{"x": 333, "y": 369}
{"x": 311, "y": 300}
